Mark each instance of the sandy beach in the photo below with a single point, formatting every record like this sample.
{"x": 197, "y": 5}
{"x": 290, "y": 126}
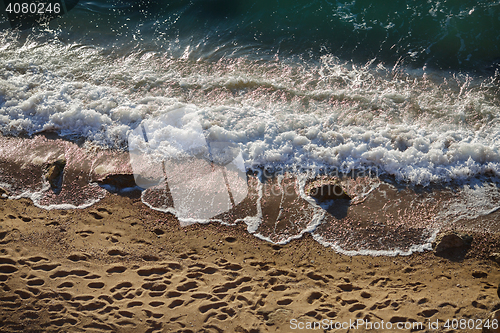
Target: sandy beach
{"x": 119, "y": 266}
{"x": 249, "y": 166}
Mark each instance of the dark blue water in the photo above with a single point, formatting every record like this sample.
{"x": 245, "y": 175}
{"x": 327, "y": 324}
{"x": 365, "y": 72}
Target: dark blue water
{"x": 458, "y": 35}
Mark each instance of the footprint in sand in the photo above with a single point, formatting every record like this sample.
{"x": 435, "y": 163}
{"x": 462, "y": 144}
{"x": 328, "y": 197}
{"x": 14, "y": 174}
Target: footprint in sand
{"x": 77, "y": 257}
{"x": 117, "y": 252}
{"x": 116, "y": 269}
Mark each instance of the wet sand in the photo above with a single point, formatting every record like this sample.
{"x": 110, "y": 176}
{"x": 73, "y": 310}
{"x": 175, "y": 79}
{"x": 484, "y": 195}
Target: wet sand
{"x": 382, "y": 217}
{"x": 119, "y": 266}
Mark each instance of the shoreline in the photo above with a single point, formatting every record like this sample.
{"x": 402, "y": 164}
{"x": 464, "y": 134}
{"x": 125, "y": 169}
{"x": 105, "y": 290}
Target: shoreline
{"x": 119, "y": 266}
{"x": 380, "y": 216}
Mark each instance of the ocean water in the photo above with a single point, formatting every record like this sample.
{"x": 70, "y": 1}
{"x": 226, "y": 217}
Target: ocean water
{"x": 409, "y": 89}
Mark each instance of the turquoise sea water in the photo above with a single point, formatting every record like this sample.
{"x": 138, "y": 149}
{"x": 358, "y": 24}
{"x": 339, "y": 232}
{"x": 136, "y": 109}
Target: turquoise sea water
{"x": 445, "y": 34}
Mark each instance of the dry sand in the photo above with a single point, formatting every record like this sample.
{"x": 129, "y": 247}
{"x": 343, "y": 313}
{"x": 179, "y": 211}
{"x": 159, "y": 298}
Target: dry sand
{"x": 120, "y": 267}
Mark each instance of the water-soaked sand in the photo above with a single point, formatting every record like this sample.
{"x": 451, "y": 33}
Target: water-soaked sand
{"x": 382, "y": 217}
{"x": 117, "y": 265}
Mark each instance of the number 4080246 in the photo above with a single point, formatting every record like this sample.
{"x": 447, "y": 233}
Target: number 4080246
{"x": 470, "y": 324}
{"x": 33, "y": 8}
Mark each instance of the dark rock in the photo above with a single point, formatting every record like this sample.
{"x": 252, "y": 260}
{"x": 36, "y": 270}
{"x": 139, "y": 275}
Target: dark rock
{"x": 451, "y": 244}
{"x": 54, "y": 174}
{"x": 119, "y": 181}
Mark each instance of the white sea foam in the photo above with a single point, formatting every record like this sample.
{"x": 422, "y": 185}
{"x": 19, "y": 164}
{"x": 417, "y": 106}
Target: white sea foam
{"x": 37, "y": 197}
{"x": 426, "y": 246}
{"x": 420, "y": 131}
{"x": 420, "y": 126}
{"x": 476, "y": 199}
